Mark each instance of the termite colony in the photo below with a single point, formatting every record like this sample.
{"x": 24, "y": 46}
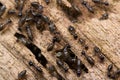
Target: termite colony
{"x": 65, "y": 57}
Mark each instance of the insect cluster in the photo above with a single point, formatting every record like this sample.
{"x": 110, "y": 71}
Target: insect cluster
{"x": 65, "y": 57}
{"x": 73, "y": 11}
{"x": 112, "y": 74}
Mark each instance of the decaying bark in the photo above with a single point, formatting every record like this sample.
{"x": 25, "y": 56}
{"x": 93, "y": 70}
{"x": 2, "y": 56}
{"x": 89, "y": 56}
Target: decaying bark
{"x": 14, "y": 56}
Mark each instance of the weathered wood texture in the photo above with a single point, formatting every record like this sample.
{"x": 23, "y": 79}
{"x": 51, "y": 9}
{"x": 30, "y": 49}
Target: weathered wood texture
{"x": 14, "y": 56}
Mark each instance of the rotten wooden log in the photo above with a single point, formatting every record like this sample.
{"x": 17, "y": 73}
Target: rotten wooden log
{"x": 14, "y": 56}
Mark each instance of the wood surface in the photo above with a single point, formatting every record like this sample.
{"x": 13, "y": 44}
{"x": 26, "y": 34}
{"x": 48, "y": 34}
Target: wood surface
{"x": 14, "y": 56}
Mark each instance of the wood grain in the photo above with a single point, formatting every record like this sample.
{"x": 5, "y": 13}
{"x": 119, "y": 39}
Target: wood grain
{"x": 14, "y": 56}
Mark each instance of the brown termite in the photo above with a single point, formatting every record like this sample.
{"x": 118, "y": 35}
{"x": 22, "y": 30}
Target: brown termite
{"x": 21, "y": 5}
{"x": 75, "y": 11}
{"x": 101, "y": 57}
{"x": 62, "y": 65}
{"x": 81, "y": 41}
{"x": 97, "y": 49}
{"x": 99, "y": 53}
{"x": 83, "y": 67}
{"x": 104, "y": 16}
{"x": 2, "y": 9}
{"x": 65, "y": 51}
{"x": 79, "y": 70}
{"x": 88, "y": 58}
{"x": 47, "y": 1}
{"x": 37, "y": 6}
{"x": 21, "y": 23}
{"x": 106, "y": 3}
{"x": 28, "y": 16}
{"x": 29, "y": 19}
{"x": 74, "y": 60}
{"x": 40, "y": 25}
{"x": 29, "y": 32}
{"x": 50, "y": 47}
{"x": 109, "y": 69}
{"x": 117, "y": 73}
{"x": 36, "y": 67}
{"x": 52, "y": 27}
{"x": 47, "y": 19}
{"x": 101, "y": 2}
{"x": 71, "y": 29}
{"x": 52, "y": 70}
{"x": 59, "y": 2}
{"x": 11, "y": 11}
{"x": 86, "y": 47}
{"x": 59, "y": 54}
{"x": 90, "y": 9}
{"x": 3, "y": 25}
{"x": 56, "y": 39}
{"x": 17, "y": 4}
{"x": 35, "y": 13}
{"x": 97, "y": 1}
{"x": 40, "y": 8}
{"x": 75, "y": 36}
{"x": 22, "y": 74}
